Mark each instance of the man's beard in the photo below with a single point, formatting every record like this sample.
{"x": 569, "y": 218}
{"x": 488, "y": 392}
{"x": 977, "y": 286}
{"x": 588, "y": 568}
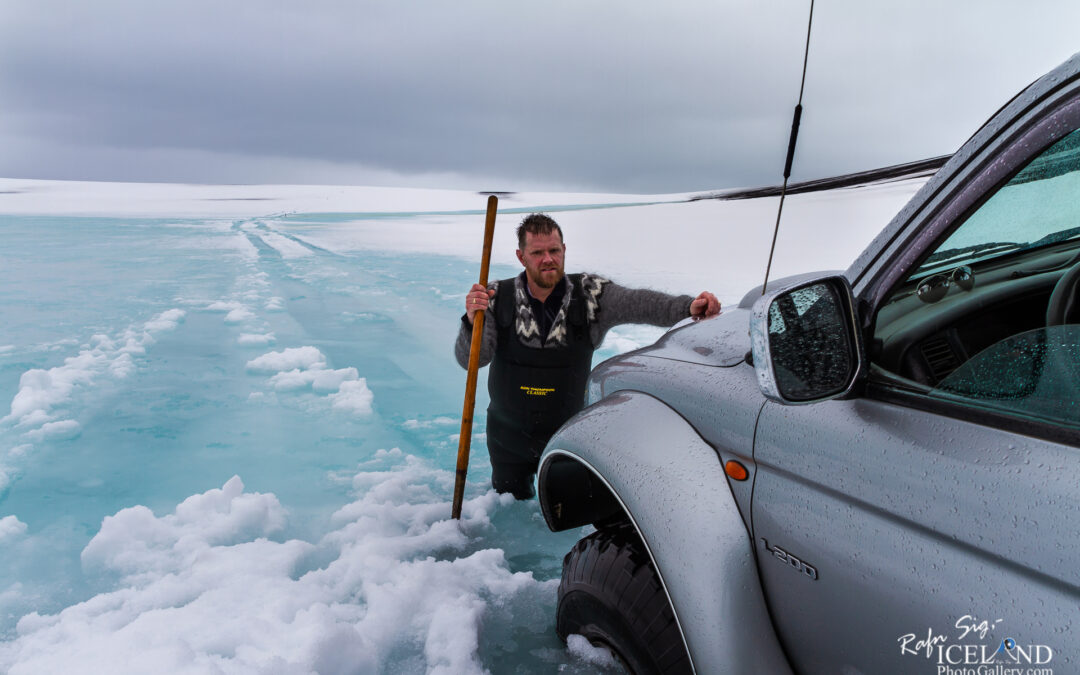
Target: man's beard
{"x": 540, "y": 281}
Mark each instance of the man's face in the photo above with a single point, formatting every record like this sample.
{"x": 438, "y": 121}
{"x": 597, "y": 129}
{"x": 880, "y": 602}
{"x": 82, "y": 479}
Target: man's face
{"x": 543, "y": 258}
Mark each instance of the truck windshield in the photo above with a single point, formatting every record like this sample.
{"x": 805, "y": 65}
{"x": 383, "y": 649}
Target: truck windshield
{"x": 1039, "y": 207}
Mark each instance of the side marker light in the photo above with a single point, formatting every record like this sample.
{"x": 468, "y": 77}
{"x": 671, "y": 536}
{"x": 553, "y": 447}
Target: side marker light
{"x": 736, "y": 470}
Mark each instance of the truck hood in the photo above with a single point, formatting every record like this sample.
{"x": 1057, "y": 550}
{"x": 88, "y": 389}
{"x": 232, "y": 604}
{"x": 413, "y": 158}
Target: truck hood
{"x": 721, "y": 341}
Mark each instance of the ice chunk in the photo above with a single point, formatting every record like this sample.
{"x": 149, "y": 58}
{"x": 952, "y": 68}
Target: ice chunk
{"x": 427, "y": 424}
{"x": 62, "y": 430}
{"x": 256, "y": 339}
{"x": 11, "y": 527}
{"x": 140, "y": 546}
{"x": 167, "y": 320}
{"x": 580, "y": 647}
{"x": 41, "y": 390}
{"x": 287, "y": 359}
{"x": 319, "y": 379}
{"x": 223, "y": 306}
{"x": 353, "y": 397}
{"x": 239, "y": 315}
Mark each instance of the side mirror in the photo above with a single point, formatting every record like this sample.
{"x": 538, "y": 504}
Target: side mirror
{"x": 805, "y": 339}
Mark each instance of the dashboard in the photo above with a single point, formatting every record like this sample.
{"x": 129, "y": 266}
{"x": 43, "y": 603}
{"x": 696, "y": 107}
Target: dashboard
{"x": 933, "y": 325}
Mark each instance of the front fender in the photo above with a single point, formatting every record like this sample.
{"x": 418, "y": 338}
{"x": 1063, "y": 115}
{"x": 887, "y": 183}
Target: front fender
{"x": 640, "y": 456}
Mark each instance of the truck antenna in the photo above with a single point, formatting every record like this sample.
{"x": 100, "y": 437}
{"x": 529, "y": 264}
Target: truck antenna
{"x": 791, "y": 148}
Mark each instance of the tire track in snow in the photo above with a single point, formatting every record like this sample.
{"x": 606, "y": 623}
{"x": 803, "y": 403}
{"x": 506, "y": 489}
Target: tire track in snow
{"x": 287, "y": 246}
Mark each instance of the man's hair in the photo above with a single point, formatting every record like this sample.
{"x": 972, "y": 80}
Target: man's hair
{"x": 536, "y": 223}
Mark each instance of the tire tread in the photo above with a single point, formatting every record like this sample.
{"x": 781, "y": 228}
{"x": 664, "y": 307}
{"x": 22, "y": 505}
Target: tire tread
{"x": 609, "y": 573}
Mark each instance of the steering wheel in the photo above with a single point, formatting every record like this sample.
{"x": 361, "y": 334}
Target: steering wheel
{"x": 1064, "y": 305}
{"x": 1034, "y": 373}
{"x": 1064, "y": 309}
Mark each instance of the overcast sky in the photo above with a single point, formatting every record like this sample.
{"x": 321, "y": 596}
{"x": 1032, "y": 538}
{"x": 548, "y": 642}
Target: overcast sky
{"x": 603, "y": 95}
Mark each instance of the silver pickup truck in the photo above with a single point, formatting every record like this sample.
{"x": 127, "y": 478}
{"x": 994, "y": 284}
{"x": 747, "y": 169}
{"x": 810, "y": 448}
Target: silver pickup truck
{"x": 866, "y": 472}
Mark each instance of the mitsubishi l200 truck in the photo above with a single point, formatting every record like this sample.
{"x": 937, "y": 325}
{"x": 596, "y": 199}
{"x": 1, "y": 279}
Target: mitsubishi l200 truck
{"x": 861, "y": 472}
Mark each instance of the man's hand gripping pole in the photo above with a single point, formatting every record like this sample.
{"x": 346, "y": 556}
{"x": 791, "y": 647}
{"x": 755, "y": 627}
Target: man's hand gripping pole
{"x": 474, "y": 366}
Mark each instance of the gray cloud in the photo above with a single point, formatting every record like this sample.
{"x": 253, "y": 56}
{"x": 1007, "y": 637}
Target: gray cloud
{"x": 597, "y": 95}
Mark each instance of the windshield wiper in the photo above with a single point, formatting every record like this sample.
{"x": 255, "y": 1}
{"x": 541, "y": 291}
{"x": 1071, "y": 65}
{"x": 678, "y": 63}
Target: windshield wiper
{"x": 1056, "y": 237}
{"x": 966, "y": 252}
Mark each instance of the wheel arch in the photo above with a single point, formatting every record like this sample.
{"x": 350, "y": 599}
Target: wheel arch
{"x": 631, "y": 456}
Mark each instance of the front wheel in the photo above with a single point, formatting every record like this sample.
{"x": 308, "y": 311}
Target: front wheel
{"x": 611, "y": 594}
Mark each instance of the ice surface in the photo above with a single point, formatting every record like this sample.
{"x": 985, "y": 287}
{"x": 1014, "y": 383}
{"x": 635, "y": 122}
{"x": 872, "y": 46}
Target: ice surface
{"x": 230, "y": 418}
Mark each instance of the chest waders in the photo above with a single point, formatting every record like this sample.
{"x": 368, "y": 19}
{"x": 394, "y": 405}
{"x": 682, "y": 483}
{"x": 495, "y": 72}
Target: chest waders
{"x": 533, "y": 390}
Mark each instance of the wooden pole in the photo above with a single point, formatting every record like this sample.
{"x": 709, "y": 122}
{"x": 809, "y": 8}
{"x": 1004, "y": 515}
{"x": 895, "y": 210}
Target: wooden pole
{"x": 474, "y": 366}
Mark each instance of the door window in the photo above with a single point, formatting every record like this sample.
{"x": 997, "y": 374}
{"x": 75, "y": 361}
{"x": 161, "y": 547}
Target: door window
{"x": 991, "y": 315}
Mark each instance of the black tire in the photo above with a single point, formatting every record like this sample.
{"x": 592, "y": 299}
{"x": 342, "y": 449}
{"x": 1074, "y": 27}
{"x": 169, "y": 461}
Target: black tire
{"x": 611, "y": 594}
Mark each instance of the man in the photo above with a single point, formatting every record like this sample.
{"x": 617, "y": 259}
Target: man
{"x": 539, "y": 337}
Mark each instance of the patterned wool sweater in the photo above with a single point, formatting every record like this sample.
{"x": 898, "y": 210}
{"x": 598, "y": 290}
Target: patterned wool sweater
{"x": 607, "y": 304}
